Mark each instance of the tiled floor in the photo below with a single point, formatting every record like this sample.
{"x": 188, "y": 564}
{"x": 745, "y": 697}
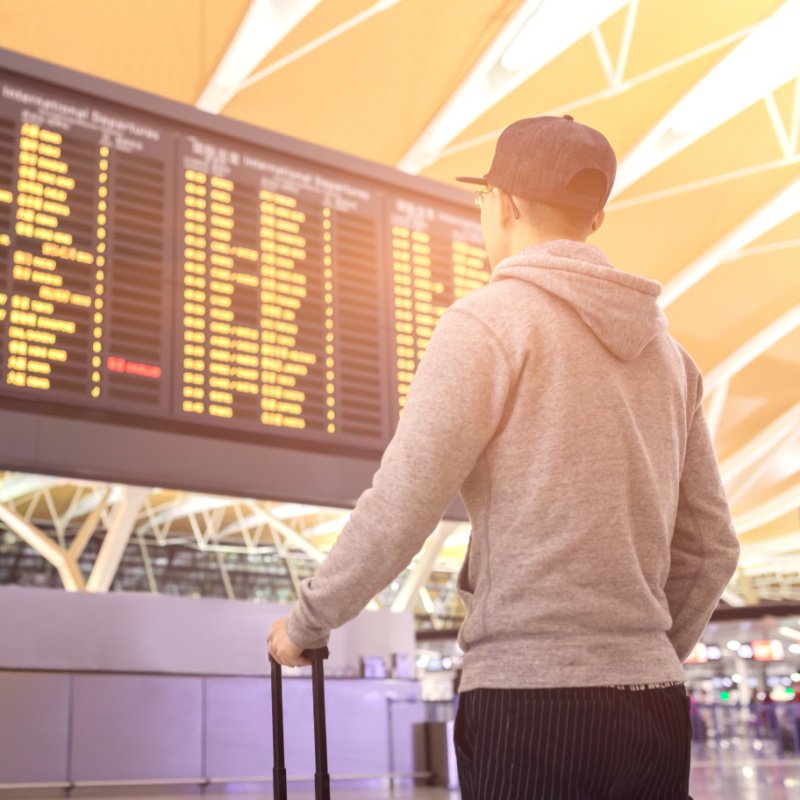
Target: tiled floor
{"x": 746, "y": 779}
{"x": 717, "y": 780}
{"x": 736, "y": 772}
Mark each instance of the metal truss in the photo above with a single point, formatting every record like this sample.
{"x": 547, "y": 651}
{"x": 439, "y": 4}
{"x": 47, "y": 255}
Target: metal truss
{"x": 98, "y": 537}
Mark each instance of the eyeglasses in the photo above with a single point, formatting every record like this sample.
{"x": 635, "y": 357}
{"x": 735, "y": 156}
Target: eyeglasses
{"x": 480, "y": 197}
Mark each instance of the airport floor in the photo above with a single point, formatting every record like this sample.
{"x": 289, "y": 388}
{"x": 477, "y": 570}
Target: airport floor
{"x": 736, "y": 771}
{"x": 724, "y": 778}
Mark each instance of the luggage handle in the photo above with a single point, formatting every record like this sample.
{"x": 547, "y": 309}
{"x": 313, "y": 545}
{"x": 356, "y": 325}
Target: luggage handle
{"x": 322, "y": 787}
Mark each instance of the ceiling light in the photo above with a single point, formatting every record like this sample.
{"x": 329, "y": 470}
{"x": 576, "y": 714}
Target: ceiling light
{"x": 734, "y": 645}
{"x": 553, "y": 26}
{"x": 777, "y": 210}
{"x": 745, "y": 651}
{"x": 767, "y": 59}
{"x": 427, "y": 601}
{"x": 535, "y": 34}
{"x": 264, "y": 25}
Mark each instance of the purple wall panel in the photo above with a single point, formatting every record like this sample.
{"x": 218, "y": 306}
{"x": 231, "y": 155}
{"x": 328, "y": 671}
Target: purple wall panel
{"x": 239, "y": 733}
{"x": 34, "y": 721}
{"x": 150, "y": 727}
{"x": 129, "y": 727}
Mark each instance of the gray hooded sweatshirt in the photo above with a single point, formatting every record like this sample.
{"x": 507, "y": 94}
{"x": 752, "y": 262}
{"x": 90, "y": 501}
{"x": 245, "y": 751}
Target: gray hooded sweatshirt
{"x": 571, "y": 422}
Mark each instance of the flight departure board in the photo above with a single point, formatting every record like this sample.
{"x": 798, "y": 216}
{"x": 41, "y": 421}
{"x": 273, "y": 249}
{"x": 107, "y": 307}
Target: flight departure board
{"x": 169, "y": 272}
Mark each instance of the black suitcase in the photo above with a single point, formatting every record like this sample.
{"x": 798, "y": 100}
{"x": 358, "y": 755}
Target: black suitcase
{"x": 322, "y": 784}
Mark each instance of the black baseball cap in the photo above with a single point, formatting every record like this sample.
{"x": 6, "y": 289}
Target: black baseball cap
{"x": 554, "y": 160}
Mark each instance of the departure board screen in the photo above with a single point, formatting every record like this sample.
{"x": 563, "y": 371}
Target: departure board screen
{"x": 85, "y": 310}
{"x": 164, "y": 268}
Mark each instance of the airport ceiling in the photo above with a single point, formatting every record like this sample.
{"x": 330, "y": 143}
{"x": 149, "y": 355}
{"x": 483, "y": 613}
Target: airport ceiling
{"x": 700, "y": 100}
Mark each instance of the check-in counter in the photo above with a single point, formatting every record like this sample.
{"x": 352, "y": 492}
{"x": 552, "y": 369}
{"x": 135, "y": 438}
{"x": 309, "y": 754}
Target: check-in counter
{"x": 94, "y": 689}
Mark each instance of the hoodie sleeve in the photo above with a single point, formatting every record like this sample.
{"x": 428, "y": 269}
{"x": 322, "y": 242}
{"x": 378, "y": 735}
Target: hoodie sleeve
{"x": 704, "y": 550}
{"x": 454, "y": 405}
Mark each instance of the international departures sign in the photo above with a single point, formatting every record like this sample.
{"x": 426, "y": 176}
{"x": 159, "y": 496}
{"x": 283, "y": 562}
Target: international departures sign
{"x": 163, "y": 269}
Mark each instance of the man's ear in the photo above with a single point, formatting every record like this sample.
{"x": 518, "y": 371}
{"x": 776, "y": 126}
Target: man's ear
{"x": 598, "y": 219}
{"x": 506, "y": 209}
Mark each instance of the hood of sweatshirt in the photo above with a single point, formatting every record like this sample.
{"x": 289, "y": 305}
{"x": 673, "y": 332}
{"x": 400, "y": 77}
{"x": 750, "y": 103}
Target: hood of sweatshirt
{"x": 619, "y": 308}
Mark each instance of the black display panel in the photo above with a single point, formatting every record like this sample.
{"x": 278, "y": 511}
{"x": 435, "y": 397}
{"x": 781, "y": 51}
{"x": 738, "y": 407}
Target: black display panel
{"x": 170, "y": 279}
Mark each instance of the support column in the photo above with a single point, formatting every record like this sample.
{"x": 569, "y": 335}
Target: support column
{"x": 116, "y": 539}
{"x": 67, "y": 567}
{"x": 419, "y": 575}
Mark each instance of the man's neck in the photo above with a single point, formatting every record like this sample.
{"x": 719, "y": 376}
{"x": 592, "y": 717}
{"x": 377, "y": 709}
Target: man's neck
{"x": 526, "y": 236}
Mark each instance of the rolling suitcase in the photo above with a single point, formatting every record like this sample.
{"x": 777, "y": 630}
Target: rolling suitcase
{"x": 322, "y": 786}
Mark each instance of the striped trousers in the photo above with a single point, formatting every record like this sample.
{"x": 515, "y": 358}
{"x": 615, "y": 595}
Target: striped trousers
{"x": 598, "y": 743}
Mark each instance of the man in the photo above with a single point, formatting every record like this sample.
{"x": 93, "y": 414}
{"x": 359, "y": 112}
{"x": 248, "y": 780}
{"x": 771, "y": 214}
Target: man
{"x": 601, "y": 539}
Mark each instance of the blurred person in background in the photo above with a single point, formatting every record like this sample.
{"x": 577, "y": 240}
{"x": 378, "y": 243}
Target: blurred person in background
{"x": 572, "y": 423}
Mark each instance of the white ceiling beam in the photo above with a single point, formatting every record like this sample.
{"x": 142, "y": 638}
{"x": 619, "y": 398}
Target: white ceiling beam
{"x": 703, "y": 183}
{"x": 265, "y": 24}
{"x": 152, "y": 585}
{"x": 732, "y": 599}
{"x": 775, "y": 467}
{"x": 334, "y": 525}
{"x": 753, "y": 348}
{"x": 770, "y": 247}
{"x": 775, "y": 508}
{"x": 794, "y": 128}
{"x": 615, "y": 72}
{"x": 315, "y": 44}
{"x": 241, "y": 524}
{"x": 766, "y": 60}
{"x": 422, "y": 567}
{"x": 251, "y": 520}
{"x": 605, "y": 57}
{"x": 19, "y": 484}
{"x": 226, "y": 578}
{"x": 781, "y": 565}
{"x": 290, "y": 510}
{"x": 761, "y": 445}
{"x": 608, "y": 92}
{"x": 716, "y": 405}
{"x": 625, "y": 47}
{"x": 782, "y": 134}
{"x": 776, "y": 211}
{"x": 194, "y": 504}
{"x": 103, "y": 495}
{"x": 290, "y": 536}
{"x": 538, "y": 32}
{"x": 758, "y": 552}
{"x": 89, "y": 526}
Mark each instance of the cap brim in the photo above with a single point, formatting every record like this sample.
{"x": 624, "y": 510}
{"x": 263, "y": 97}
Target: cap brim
{"x": 480, "y": 181}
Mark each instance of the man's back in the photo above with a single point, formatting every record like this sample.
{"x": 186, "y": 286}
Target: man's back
{"x": 574, "y": 500}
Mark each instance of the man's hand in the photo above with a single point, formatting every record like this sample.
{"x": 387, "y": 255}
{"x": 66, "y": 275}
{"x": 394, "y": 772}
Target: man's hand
{"x": 283, "y": 649}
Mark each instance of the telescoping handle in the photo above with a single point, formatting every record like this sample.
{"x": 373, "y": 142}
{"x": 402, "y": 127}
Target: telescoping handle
{"x": 322, "y": 785}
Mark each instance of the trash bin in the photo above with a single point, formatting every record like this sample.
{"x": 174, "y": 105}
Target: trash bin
{"x": 434, "y": 752}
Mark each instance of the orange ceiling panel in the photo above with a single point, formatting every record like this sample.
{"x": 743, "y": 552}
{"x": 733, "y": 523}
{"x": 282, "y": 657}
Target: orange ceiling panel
{"x": 373, "y": 90}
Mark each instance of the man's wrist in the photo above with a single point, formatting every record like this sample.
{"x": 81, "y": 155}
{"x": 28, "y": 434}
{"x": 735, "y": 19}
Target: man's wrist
{"x": 302, "y": 635}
